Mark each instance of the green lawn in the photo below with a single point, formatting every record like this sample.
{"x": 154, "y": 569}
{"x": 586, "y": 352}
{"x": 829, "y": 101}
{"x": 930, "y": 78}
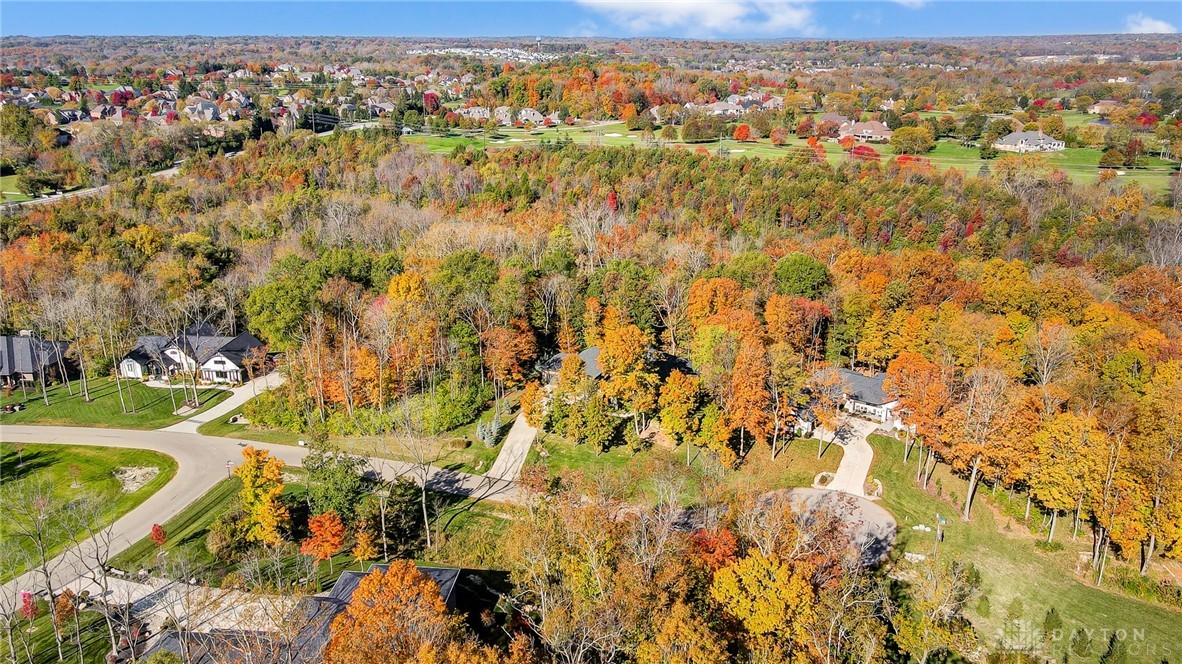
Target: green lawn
{"x": 461, "y": 450}
{"x": 1081, "y": 164}
{"x": 39, "y": 638}
{"x": 8, "y": 189}
{"x": 795, "y": 466}
{"x": 1004, "y": 552}
{"x": 153, "y": 406}
{"x": 467, "y": 533}
{"x": 73, "y": 470}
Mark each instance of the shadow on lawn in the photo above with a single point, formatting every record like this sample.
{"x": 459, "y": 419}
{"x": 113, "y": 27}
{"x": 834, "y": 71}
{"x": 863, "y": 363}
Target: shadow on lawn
{"x": 15, "y": 466}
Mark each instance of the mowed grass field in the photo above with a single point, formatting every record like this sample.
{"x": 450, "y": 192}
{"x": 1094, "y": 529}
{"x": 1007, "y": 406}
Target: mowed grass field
{"x": 153, "y": 406}
{"x": 1016, "y": 576}
{"x": 72, "y": 471}
{"x": 460, "y": 449}
{"x": 1080, "y": 164}
{"x": 795, "y": 466}
{"x": 9, "y": 191}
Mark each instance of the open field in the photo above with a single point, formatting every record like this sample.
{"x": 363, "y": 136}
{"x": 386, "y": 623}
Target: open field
{"x": 153, "y": 406}
{"x": 1079, "y": 163}
{"x": 72, "y": 471}
{"x": 795, "y": 466}
{"x": 9, "y": 191}
{"x": 1019, "y": 581}
{"x": 460, "y": 449}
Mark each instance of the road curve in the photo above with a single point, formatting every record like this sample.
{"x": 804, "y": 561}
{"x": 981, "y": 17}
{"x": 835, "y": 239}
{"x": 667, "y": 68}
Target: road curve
{"x": 201, "y": 463}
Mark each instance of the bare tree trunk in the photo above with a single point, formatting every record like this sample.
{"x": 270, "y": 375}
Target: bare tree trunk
{"x": 968, "y": 501}
{"x": 1147, "y": 553}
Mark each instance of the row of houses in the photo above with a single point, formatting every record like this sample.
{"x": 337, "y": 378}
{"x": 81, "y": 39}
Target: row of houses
{"x": 26, "y": 358}
{"x": 505, "y": 117}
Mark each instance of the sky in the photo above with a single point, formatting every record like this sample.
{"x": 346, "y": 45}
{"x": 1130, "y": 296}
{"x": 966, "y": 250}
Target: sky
{"x": 716, "y": 19}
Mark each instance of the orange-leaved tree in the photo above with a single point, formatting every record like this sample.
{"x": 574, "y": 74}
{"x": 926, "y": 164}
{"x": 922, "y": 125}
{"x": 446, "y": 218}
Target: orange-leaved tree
{"x": 749, "y": 397}
{"x": 681, "y": 395}
{"x": 395, "y": 615}
{"x": 508, "y": 351}
{"x": 923, "y": 391}
{"x": 711, "y": 296}
{"x": 327, "y": 534}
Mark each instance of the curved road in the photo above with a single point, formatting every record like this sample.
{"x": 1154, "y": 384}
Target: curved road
{"x": 201, "y": 463}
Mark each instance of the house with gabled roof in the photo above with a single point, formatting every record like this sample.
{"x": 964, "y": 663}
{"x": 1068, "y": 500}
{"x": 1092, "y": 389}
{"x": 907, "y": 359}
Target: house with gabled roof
{"x": 866, "y": 396}
{"x": 871, "y": 131}
{"x": 26, "y": 358}
{"x": 215, "y": 358}
{"x": 1029, "y": 141}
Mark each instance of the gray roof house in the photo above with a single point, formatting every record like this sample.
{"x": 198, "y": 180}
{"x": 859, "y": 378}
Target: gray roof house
{"x": 866, "y": 396}
{"x": 217, "y": 358}
{"x": 1029, "y": 141}
{"x": 312, "y": 619}
{"x": 25, "y": 357}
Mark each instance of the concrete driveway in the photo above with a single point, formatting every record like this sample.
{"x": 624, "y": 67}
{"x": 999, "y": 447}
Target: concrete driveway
{"x": 239, "y": 395}
{"x": 514, "y": 450}
{"x": 871, "y": 528}
{"x": 857, "y": 455}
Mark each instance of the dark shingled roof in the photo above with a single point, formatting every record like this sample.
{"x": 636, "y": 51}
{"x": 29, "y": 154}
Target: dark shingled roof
{"x": 28, "y": 355}
{"x": 590, "y": 357}
{"x": 324, "y": 608}
{"x": 199, "y": 342}
{"x": 867, "y": 389}
{"x": 313, "y": 617}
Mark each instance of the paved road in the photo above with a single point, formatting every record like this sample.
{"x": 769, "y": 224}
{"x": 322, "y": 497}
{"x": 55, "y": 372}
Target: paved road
{"x": 89, "y": 191}
{"x": 514, "y": 450}
{"x": 857, "y": 455}
{"x": 201, "y": 463}
{"x": 239, "y": 396}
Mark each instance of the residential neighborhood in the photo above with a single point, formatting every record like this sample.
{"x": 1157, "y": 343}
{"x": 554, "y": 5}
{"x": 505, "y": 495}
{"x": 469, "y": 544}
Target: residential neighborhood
{"x": 633, "y": 333}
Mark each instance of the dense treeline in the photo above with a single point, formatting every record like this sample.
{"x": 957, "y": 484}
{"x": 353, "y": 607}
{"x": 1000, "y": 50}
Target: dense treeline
{"x": 1029, "y": 327}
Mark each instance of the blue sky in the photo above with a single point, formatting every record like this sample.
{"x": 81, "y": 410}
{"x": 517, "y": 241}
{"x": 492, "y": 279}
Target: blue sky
{"x": 572, "y": 18}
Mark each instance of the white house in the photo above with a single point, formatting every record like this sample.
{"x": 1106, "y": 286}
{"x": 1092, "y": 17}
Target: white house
{"x": 1029, "y": 141}
{"x": 215, "y": 358}
{"x": 530, "y": 115}
{"x": 865, "y": 396}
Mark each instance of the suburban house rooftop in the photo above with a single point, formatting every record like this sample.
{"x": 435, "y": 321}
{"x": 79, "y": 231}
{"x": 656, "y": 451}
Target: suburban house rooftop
{"x": 866, "y": 389}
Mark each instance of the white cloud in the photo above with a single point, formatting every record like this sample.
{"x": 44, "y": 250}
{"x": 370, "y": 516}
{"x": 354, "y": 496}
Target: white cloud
{"x": 704, "y": 18}
{"x": 1141, "y": 24}
{"x": 911, "y": 4}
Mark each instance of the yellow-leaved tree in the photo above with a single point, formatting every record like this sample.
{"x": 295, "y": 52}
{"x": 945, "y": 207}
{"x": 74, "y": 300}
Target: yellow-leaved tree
{"x": 262, "y": 484}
